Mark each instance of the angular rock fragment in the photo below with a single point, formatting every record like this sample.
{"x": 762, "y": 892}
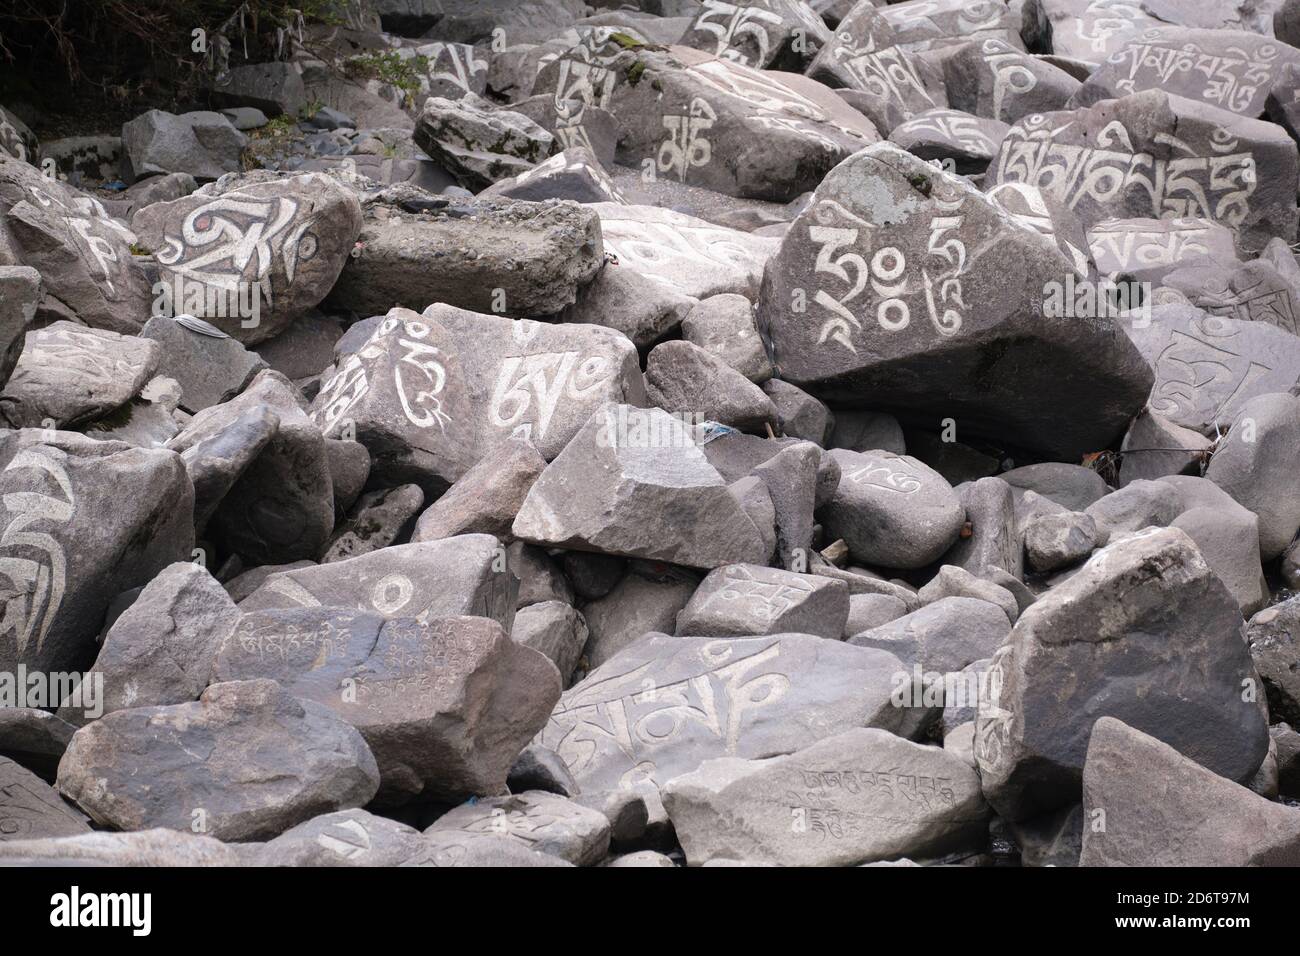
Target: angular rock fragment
{"x": 892, "y": 510}
{"x": 555, "y": 630}
{"x": 477, "y": 144}
{"x": 634, "y": 607}
{"x": 930, "y": 274}
{"x": 494, "y": 256}
{"x": 162, "y": 648}
{"x": 445, "y": 705}
{"x": 1163, "y": 808}
{"x": 271, "y": 762}
{"x": 378, "y": 520}
{"x": 73, "y": 540}
{"x": 773, "y": 695}
{"x": 630, "y": 464}
{"x": 744, "y": 600}
{"x": 68, "y": 374}
{"x": 544, "y": 822}
{"x": 1151, "y": 601}
{"x": 465, "y": 575}
{"x": 942, "y": 637}
{"x": 856, "y": 797}
{"x": 685, "y": 379}
{"x": 1254, "y": 464}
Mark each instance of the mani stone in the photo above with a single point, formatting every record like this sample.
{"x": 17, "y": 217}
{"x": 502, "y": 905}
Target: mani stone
{"x": 935, "y": 309}
{"x": 81, "y": 252}
{"x": 685, "y": 255}
{"x": 544, "y": 822}
{"x": 1208, "y": 366}
{"x": 161, "y": 649}
{"x": 1145, "y": 632}
{"x": 427, "y": 580}
{"x": 892, "y": 510}
{"x": 345, "y": 838}
{"x": 738, "y": 131}
{"x": 993, "y": 78}
{"x": 445, "y": 705}
{"x": 537, "y": 380}
{"x": 1149, "y": 249}
{"x": 683, "y": 378}
{"x": 674, "y": 702}
{"x": 1163, "y": 808}
{"x": 82, "y": 522}
{"x": 1273, "y": 636}
{"x": 574, "y": 174}
{"x": 1204, "y": 162}
{"x": 305, "y": 227}
{"x": 1247, "y": 66}
{"x": 959, "y": 141}
{"x": 68, "y": 374}
{"x": 1088, "y": 30}
{"x": 744, "y": 600}
{"x": 763, "y": 34}
{"x": 415, "y": 417}
{"x": 520, "y": 259}
{"x": 30, "y": 809}
{"x": 634, "y": 482}
{"x": 640, "y": 306}
{"x": 461, "y": 848}
{"x": 856, "y": 797}
{"x": 270, "y": 762}
{"x": 1255, "y": 464}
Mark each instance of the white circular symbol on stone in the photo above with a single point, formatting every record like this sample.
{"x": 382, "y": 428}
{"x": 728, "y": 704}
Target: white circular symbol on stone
{"x": 391, "y": 593}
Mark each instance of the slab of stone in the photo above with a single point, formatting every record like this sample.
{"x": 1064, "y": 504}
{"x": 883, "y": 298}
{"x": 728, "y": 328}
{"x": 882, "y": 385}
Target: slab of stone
{"x": 745, "y": 600}
{"x": 464, "y": 575}
{"x": 856, "y": 797}
{"x": 73, "y": 540}
{"x": 68, "y": 374}
{"x": 771, "y": 695}
{"x": 921, "y": 272}
{"x": 445, "y": 705}
{"x": 271, "y": 762}
{"x": 1163, "y": 808}
{"x": 648, "y": 491}
{"x": 891, "y": 510}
